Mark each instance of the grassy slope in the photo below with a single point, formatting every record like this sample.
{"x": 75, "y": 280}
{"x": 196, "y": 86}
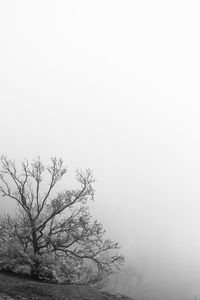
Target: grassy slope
{"x": 19, "y": 288}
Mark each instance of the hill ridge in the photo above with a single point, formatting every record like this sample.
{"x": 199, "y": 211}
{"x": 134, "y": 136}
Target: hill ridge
{"x": 13, "y": 287}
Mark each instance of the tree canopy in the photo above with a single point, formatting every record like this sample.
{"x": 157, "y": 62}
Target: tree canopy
{"x": 52, "y": 234}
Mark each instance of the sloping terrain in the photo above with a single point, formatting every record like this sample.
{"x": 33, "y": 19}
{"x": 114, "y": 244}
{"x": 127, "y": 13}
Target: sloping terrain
{"x": 13, "y": 287}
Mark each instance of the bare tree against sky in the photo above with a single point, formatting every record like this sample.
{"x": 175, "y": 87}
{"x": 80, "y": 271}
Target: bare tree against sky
{"x": 55, "y": 224}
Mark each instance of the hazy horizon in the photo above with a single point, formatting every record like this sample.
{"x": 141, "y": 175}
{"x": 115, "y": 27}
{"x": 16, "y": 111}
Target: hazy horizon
{"x": 114, "y": 86}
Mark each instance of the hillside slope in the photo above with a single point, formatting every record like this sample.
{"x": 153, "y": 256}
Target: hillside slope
{"x": 12, "y": 287}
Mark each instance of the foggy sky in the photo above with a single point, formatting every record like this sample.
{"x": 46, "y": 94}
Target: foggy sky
{"x": 114, "y": 86}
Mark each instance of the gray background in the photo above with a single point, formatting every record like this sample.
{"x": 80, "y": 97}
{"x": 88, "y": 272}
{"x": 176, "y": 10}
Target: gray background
{"x": 114, "y": 86}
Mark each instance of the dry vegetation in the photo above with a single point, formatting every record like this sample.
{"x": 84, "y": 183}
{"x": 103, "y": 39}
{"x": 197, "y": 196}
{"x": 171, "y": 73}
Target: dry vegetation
{"x": 13, "y": 287}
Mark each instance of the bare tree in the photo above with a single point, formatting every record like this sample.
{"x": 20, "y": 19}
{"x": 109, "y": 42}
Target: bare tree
{"x": 54, "y": 229}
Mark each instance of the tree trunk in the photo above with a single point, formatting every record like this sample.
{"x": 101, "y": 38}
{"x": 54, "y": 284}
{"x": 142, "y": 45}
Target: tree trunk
{"x": 36, "y": 264}
{"x": 35, "y": 271}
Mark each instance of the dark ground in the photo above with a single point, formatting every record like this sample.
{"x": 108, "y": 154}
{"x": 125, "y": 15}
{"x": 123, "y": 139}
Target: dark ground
{"x": 13, "y": 287}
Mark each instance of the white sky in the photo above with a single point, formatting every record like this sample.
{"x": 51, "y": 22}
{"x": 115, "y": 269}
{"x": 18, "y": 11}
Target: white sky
{"x": 114, "y": 86}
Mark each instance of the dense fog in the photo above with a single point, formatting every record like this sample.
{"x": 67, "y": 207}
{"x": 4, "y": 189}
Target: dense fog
{"x": 114, "y": 86}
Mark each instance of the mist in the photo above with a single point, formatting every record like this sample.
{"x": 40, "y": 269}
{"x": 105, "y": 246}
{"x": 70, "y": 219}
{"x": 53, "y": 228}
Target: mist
{"x": 114, "y": 86}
